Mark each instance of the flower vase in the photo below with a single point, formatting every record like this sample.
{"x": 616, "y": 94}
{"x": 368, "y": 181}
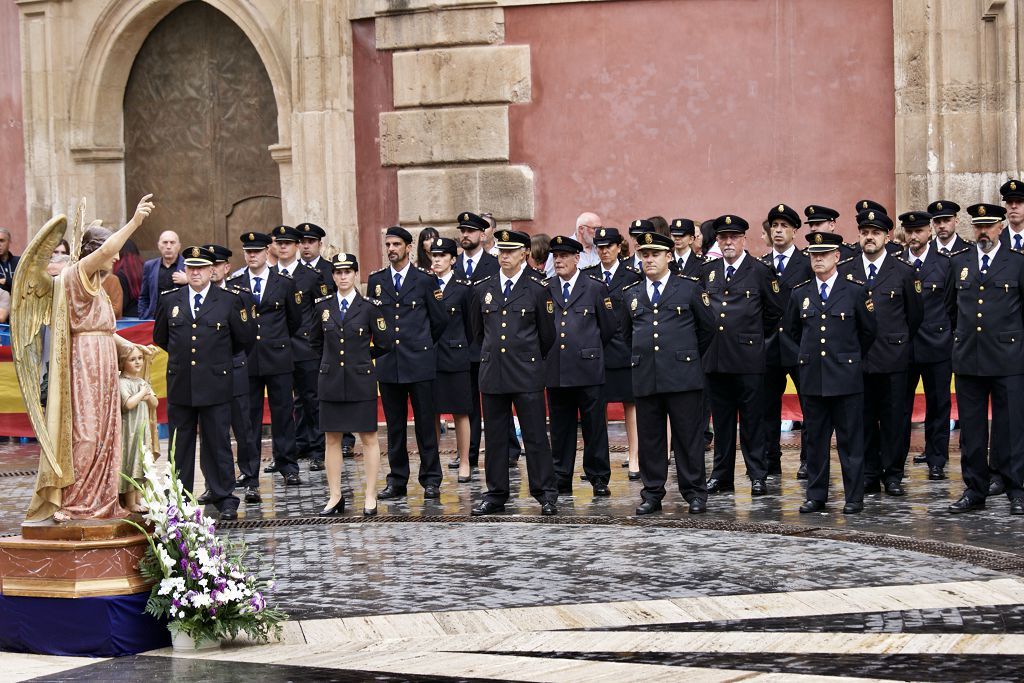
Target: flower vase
{"x": 183, "y": 642}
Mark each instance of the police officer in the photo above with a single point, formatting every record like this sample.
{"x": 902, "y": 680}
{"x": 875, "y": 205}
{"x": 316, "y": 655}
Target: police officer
{"x": 832, "y": 321}
{"x": 667, "y": 323}
{"x": 896, "y": 293}
{"x": 791, "y": 267}
{"x": 618, "y": 385}
{"x": 745, "y": 303}
{"x": 412, "y": 299}
{"x": 944, "y": 214}
{"x": 684, "y": 260}
{"x": 311, "y": 238}
{"x": 932, "y": 346}
{"x": 1012, "y": 192}
{"x": 638, "y": 229}
{"x": 823, "y": 219}
{"x": 574, "y": 368}
{"x": 986, "y": 306}
{"x": 514, "y": 323}
{"x": 201, "y": 327}
{"x": 278, "y": 318}
{"x": 891, "y": 247}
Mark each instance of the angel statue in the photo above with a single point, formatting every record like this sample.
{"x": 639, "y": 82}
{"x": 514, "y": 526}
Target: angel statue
{"x": 79, "y": 431}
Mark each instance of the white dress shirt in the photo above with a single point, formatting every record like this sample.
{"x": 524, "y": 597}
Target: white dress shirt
{"x": 514, "y": 279}
{"x": 404, "y": 272}
{"x": 571, "y": 281}
{"x": 786, "y": 256}
{"x": 192, "y": 298}
{"x": 829, "y": 283}
{"x": 661, "y": 287}
{"x": 991, "y": 255}
{"x": 262, "y": 275}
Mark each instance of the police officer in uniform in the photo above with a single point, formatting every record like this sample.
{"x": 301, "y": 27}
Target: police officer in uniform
{"x": 667, "y": 323}
{"x": 574, "y": 368}
{"x": 986, "y": 306}
{"x": 513, "y": 320}
{"x": 745, "y": 303}
{"x": 823, "y": 219}
{"x": 791, "y": 267}
{"x": 311, "y": 238}
{"x": 1012, "y": 192}
{"x": 832, "y": 321}
{"x": 891, "y": 247}
{"x": 412, "y": 299}
{"x": 932, "y": 346}
{"x": 278, "y": 318}
{"x": 944, "y": 214}
{"x": 201, "y": 327}
{"x": 684, "y": 260}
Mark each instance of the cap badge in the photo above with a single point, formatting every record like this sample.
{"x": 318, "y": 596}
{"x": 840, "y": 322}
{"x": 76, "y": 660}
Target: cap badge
{"x": 863, "y": 205}
{"x": 938, "y": 205}
{"x": 195, "y": 252}
{"x": 465, "y": 216}
{"x": 679, "y": 224}
{"x": 602, "y": 233}
{"x": 648, "y": 239}
{"x": 251, "y": 237}
{"x": 817, "y": 238}
{"x": 981, "y": 210}
{"x": 504, "y": 235}
{"x": 728, "y": 220}
{"x": 781, "y": 207}
{"x": 912, "y": 217}
{"x": 1013, "y": 185}
{"x": 558, "y": 240}
{"x": 636, "y": 223}
{"x": 810, "y": 210}
{"x": 871, "y": 215}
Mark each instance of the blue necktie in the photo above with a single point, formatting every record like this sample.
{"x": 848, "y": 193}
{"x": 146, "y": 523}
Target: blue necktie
{"x": 657, "y": 295}
{"x": 565, "y": 292}
{"x": 508, "y": 288}
{"x": 872, "y": 271}
{"x": 257, "y": 291}
{"x": 284, "y": 271}
{"x": 440, "y": 283}
{"x": 607, "y": 277}
{"x": 729, "y": 272}
{"x": 945, "y": 251}
{"x": 344, "y": 308}
{"x": 781, "y": 258}
{"x": 195, "y": 309}
{"x": 1017, "y": 242}
{"x": 469, "y": 267}
{"x": 917, "y": 263}
{"x": 681, "y": 263}
{"x": 824, "y": 292}
{"x": 984, "y": 265}
{"x": 398, "y": 282}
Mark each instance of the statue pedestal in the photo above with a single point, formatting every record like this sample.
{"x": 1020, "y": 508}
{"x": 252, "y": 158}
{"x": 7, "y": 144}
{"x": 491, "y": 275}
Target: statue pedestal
{"x": 74, "y": 588}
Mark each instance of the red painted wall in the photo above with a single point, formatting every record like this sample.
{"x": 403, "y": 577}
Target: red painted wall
{"x": 376, "y": 186}
{"x": 12, "y": 147}
{"x": 705, "y": 107}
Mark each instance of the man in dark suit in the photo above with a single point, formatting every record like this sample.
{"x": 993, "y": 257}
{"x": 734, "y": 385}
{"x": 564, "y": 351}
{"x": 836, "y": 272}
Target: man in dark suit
{"x": 1012, "y": 192}
{"x": 406, "y": 373}
{"x": 278, "y": 318}
{"x": 513, "y": 321}
{"x": 832, "y": 321}
{"x": 823, "y": 219}
{"x": 668, "y": 325}
{"x": 791, "y": 267}
{"x": 890, "y": 247}
{"x": 932, "y": 346}
{"x": 311, "y": 238}
{"x": 944, "y": 214}
{"x": 896, "y": 293}
{"x": 985, "y": 298}
{"x": 745, "y": 302}
{"x": 684, "y": 260}
{"x": 201, "y": 327}
{"x": 574, "y": 368}
{"x": 161, "y": 274}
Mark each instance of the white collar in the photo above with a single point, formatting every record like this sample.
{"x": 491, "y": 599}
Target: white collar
{"x": 202, "y": 296}
{"x": 788, "y": 253}
{"x": 948, "y": 245}
{"x": 877, "y": 264}
{"x": 571, "y": 281}
{"x": 314, "y": 262}
{"x": 262, "y": 274}
{"x": 446, "y": 278}
{"x": 924, "y": 254}
{"x": 290, "y": 267}
{"x": 350, "y": 297}
{"x": 514, "y": 279}
{"x": 475, "y": 256}
{"x": 991, "y": 255}
{"x": 614, "y": 267}
{"x": 1011, "y": 231}
{"x": 662, "y": 281}
{"x": 404, "y": 272}
{"x": 829, "y": 283}
{"x": 737, "y": 264}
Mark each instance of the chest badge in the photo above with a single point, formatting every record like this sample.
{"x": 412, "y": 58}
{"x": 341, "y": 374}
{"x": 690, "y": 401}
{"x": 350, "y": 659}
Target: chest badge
{"x": 488, "y": 298}
{"x": 325, "y": 316}
{"x": 244, "y": 315}
{"x": 917, "y": 286}
{"x": 705, "y": 298}
{"x": 174, "y": 312}
{"x": 551, "y": 306}
{"x": 376, "y": 290}
{"x": 381, "y": 325}
{"x": 775, "y": 286}
{"x": 711, "y": 276}
{"x": 298, "y": 297}
{"x": 438, "y": 294}
{"x": 608, "y": 304}
{"x": 807, "y": 303}
{"x": 632, "y": 304}
{"x": 963, "y": 274}
{"x": 870, "y": 305}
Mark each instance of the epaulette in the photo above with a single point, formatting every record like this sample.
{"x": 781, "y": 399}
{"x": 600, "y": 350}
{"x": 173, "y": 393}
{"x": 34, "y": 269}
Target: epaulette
{"x": 850, "y": 278}
{"x": 900, "y": 261}
{"x": 595, "y": 267}
{"x": 170, "y": 291}
{"x": 288, "y": 275}
{"x": 380, "y": 270}
{"x": 846, "y": 260}
{"x": 462, "y": 282}
{"x": 632, "y": 284}
{"x": 629, "y": 267}
{"x": 480, "y": 282}
{"x": 764, "y": 265}
{"x": 322, "y": 298}
{"x": 688, "y": 277}
{"x": 376, "y": 302}
{"x": 957, "y": 253}
{"x": 941, "y": 254}
{"x": 766, "y": 256}
{"x": 424, "y": 270}
{"x": 851, "y": 245}
{"x": 593, "y": 276}
{"x": 801, "y": 284}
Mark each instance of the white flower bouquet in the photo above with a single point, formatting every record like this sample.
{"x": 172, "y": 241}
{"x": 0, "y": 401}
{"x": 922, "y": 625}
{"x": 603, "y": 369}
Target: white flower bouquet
{"x": 202, "y": 584}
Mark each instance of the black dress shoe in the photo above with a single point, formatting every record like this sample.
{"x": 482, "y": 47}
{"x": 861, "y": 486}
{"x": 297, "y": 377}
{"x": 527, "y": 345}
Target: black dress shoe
{"x": 252, "y": 495}
{"x": 648, "y": 506}
{"x": 853, "y": 508}
{"x": 698, "y": 506}
{"x": 465, "y": 480}
{"x": 228, "y": 515}
{"x": 431, "y": 492}
{"x": 996, "y": 487}
{"x": 316, "y": 465}
{"x": 758, "y": 487}
{"x": 634, "y": 476}
{"x": 918, "y": 459}
{"x": 205, "y": 497}
{"x": 872, "y": 487}
{"x": 548, "y": 509}
{"x": 292, "y": 479}
{"x": 390, "y": 492}
{"x": 966, "y": 504}
{"x": 244, "y": 483}
{"x": 336, "y": 509}
{"x": 565, "y": 489}
{"x": 936, "y": 473}
{"x": 718, "y": 486}
{"x": 1017, "y": 506}
{"x": 893, "y": 488}
{"x": 347, "y": 452}
{"x": 487, "y": 508}
{"x": 812, "y": 506}
{"x": 601, "y": 490}
{"x": 802, "y": 472}
{"x": 270, "y": 469}
{"x": 775, "y": 467}
{"x": 369, "y": 513}
{"x": 453, "y": 464}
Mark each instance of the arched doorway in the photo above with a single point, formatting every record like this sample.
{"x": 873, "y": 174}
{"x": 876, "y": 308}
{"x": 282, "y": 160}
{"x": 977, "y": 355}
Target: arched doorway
{"x": 199, "y": 115}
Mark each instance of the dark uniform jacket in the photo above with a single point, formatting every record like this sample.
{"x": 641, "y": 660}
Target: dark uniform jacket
{"x": 326, "y": 270}
{"x": 933, "y": 342}
{"x": 666, "y": 341}
{"x": 453, "y": 348}
{"x": 959, "y": 244}
{"x": 832, "y": 337}
{"x": 240, "y": 361}
{"x": 780, "y": 349}
{"x": 617, "y": 353}
{"x": 344, "y": 349}
{"x": 200, "y": 350}
{"x": 1005, "y": 239}
{"x": 692, "y": 267}
{"x": 416, "y": 317}
{"x": 582, "y": 327}
{"x": 746, "y": 309}
{"x": 514, "y": 335}
{"x": 484, "y": 267}
{"x": 987, "y": 313}
{"x": 899, "y": 311}
{"x": 278, "y": 317}
{"x": 310, "y": 286}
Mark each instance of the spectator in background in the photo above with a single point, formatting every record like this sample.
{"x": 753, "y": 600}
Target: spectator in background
{"x": 161, "y": 274}
{"x": 709, "y": 245}
{"x": 538, "y": 255}
{"x": 128, "y": 270}
{"x": 62, "y": 249}
{"x": 8, "y": 261}
{"x": 660, "y": 225}
{"x": 423, "y": 244}
{"x": 586, "y": 224}
{"x": 488, "y": 241}
{"x": 5, "y": 306}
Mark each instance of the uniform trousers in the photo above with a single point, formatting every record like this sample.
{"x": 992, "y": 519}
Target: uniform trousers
{"x": 973, "y": 393}
{"x": 683, "y": 410}
{"x": 824, "y": 415}
{"x": 395, "y": 398}
{"x": 529, "y": 406}
{"x": 215, "y": 456}
{"x": 732, "y": 394}
{"x": 282, "y": 422}
{"x": 309, "y": 440}
{"x": 565, "y": 404}
{"x": 884, "y": 422}
{"x": 475, "y": 427}
{"x": 247, "y": 440}
{"x": 774, "y": 391}
{"x": 936, "y": 378}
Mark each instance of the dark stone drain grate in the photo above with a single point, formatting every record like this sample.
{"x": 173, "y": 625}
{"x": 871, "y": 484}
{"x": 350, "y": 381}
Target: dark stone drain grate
{"x": 19, "y": 473}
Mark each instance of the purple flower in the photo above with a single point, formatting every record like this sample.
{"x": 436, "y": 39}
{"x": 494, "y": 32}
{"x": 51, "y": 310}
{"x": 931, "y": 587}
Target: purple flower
{"x": 175, "y": 602}
{"x": 257, "y": 602}
{"x": 172, "y": 512}
{"x": 195, "y": 572}
{"x": 220, "y": 582}
{"x": 199, "y": 515}
{"x": 183, "y": 548}
{"x": 183, "y": 563}
{"x": 213, "y": 611}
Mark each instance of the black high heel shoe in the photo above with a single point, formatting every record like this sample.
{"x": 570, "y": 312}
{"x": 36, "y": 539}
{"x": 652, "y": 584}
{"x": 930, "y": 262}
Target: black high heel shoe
{"x": 369, "y": 513}
{"x": 338, "y": 508}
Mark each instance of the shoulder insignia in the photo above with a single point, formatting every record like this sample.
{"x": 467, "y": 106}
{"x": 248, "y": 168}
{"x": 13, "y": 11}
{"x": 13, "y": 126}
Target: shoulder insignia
{"x": 380, "y": 270}
{"x": 901, "y": 261}
{"x": 288, "y": 275}
{"x": 631, "y": 284}
{"x": 855, "y": 281}
{"x": 690, "y": 277}
{"x": 482, "y": 280}
{"x": 544, "y": 281}
{"x": 942, "y": 254}
{"x": 960, "y": 251}
{"x": 805, "y": 282}
{"x": 588, "y": 268}
{"x": 849, "y": 276}
{"x": 321, "y": 298}
{"x": 170, "y": 291}
{"x": 376, "y": 302}
{"x": 323, "y": 288}
{"x": 846, "y": 260}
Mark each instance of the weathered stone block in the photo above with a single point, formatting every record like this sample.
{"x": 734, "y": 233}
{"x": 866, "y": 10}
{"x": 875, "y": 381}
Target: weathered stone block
{"x": 441, "y": 28}
{"x": 507, "y": 192}
{"x": 499, "y": 73}
{"x": 438, "y": 195}
{"x": 432, "y": 136}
